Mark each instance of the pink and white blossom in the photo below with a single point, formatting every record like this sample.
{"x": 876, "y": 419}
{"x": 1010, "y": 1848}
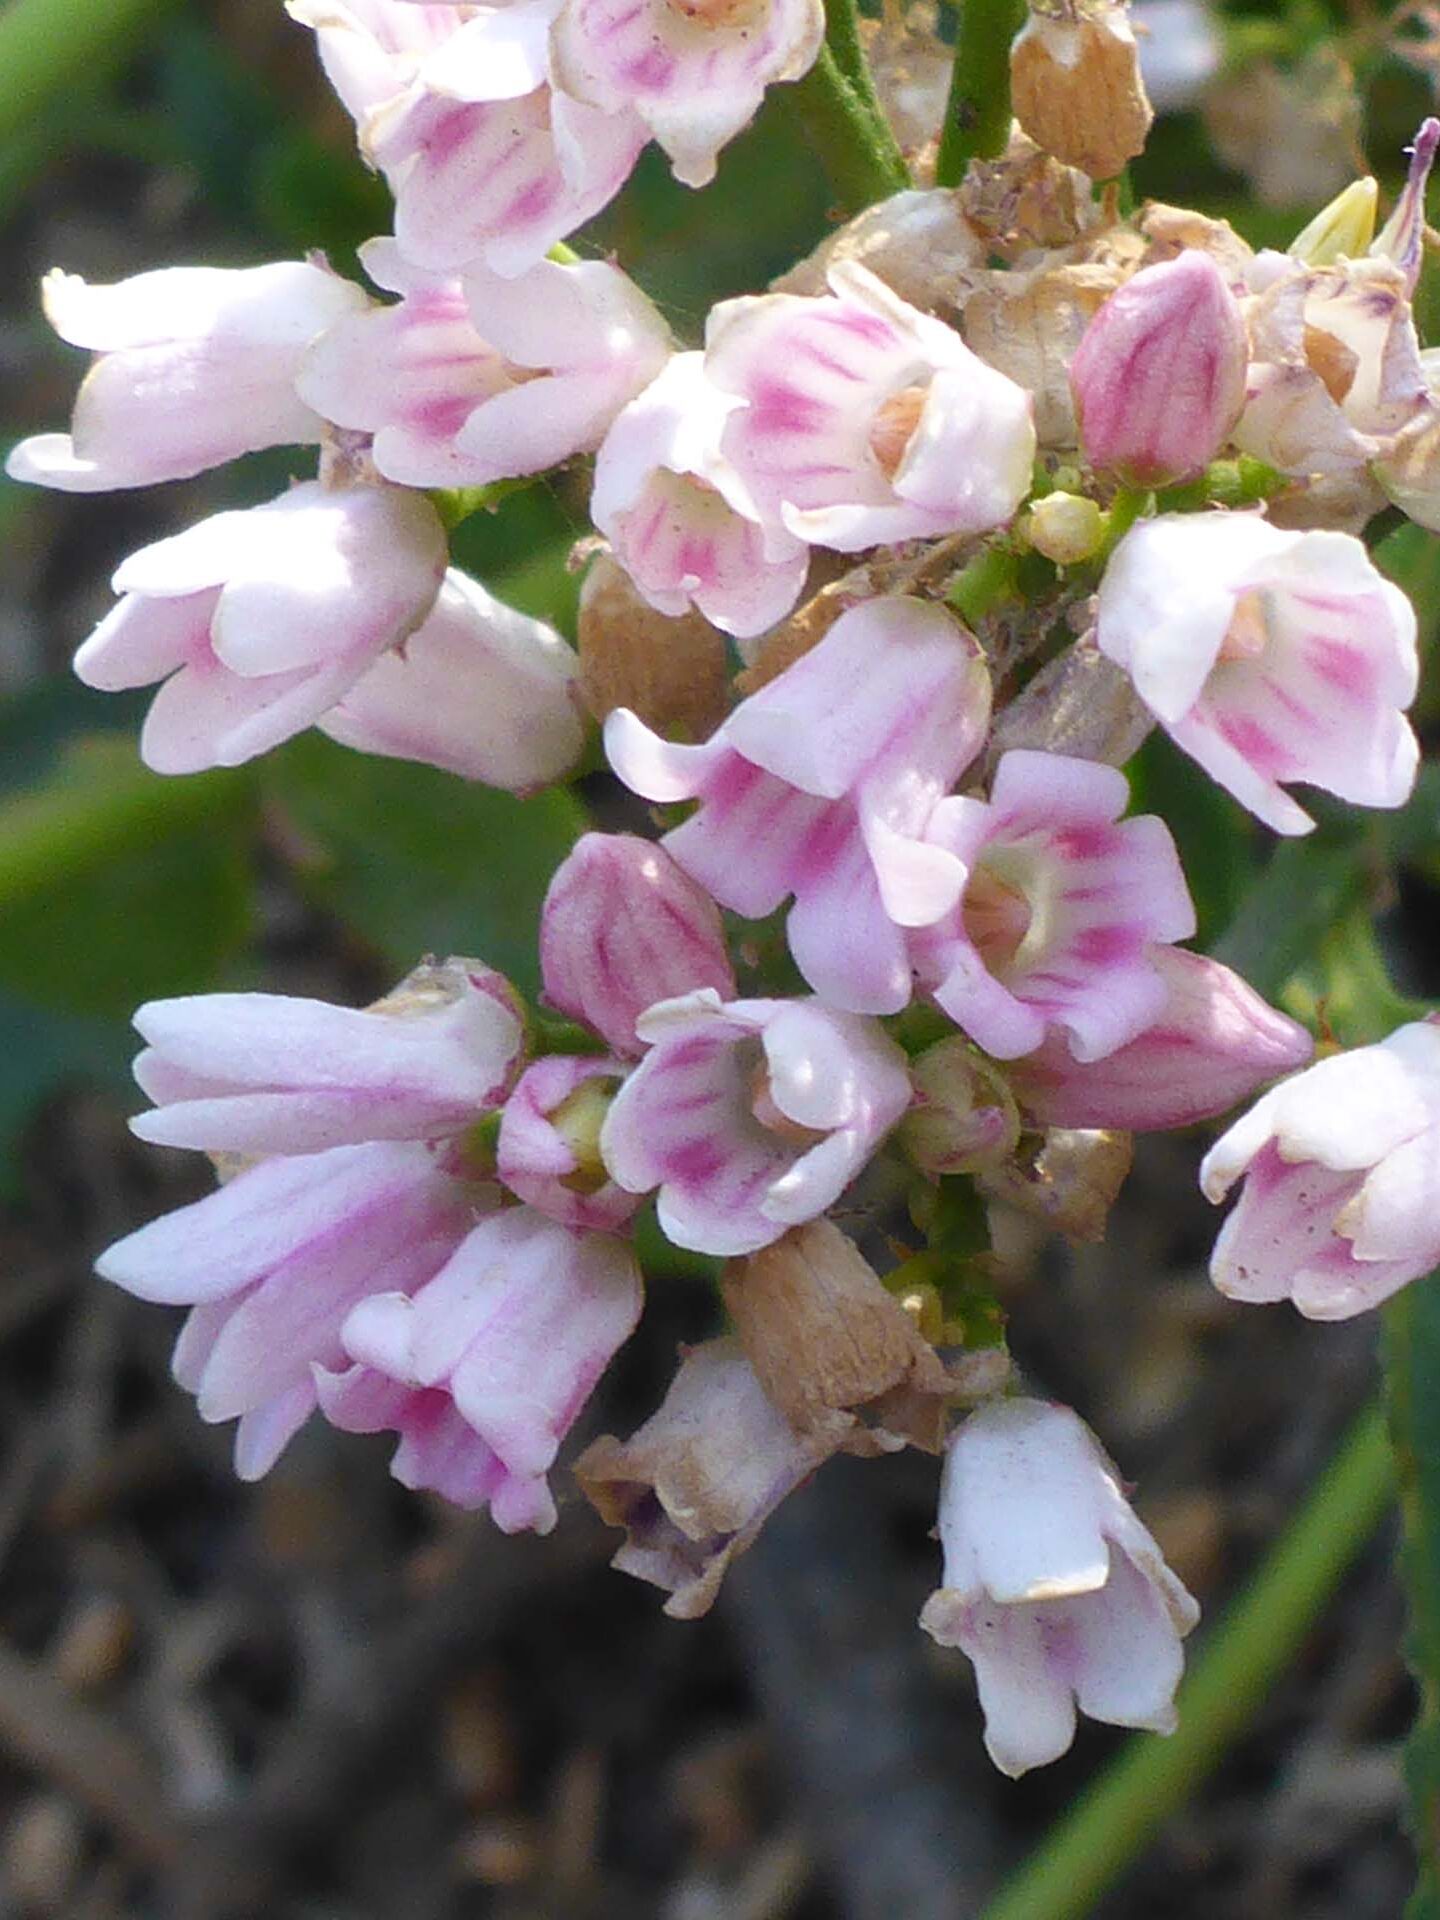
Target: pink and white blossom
{"x": 479, "y": 689}
{"x": 678, "y": 517}
{"x": 548, "y": 1136}
{"x": 864, "y": 421}
{"x": 622, "y": 927}
{"x": 194, "y": 366}
{"x": 1215, "y": 1042}
{"x": 1052, "y": 1587}
{"x": 258, "y": 622}
{"x": 1063, "y": 909}
{"x": 258, "y": 1073}
{"x": 1341, "y": 1166}
{"x": 1159, "y": 375}
{"x": 1268, "y": 656}
{"x": 822, "y": 785}
{"x": 465, "y": 382}
{"x": 483, "y": 1369}
{"x": 271, "y": 1264}
{"x": 694, "y": 70}
{"x": 751, "y": 1116}
{"x": 489, "y": 164}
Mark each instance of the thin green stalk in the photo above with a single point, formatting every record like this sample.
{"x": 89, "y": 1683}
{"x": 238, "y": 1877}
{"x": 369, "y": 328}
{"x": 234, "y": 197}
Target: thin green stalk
{"x": 47, "y": 46}
{"x": 977, "y": 114}
{"x": 1228, "y": 1683}
{"x": 845, "y": 121}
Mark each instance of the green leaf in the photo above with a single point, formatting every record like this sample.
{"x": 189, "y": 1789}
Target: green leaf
{"x": 1214, "y": 838}
{"x": 116, "y": 884}
{"x": 1304, "y": 889}
{"x": 416, "y": 861}
{"x": 1411, "y": 1352}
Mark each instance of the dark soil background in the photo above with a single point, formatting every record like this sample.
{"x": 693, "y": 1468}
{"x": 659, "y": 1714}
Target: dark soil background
{"x": 321, "y": 1698}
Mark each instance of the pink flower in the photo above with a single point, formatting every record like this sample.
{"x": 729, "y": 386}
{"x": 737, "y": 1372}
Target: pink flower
{"x": 195, "y": 366}
{"x": 679, "y": 518}
{"x": 751, "y": 1116}
{"x": 822, "y": 784}
{"x": 547, "y": 1152}
{"x": 467, "y": 382}
{"x": 271, "y": 1264}
{"x": 268, "y": 1073}
{"x": 1052, "y": 1586}
{"x": 260, "y": 621}
{"x": 483, "y": 1369}
{"x": 1213, "y": 1044}
{"x": 1063, "y": 907}
{"x": 478, "y": 689}
{"x": 864, "y": 421}
{"x": 489, "y": 163}
{"x": 1159, "y": 376}
{"x": 1267, "y": 656}
{"x": 1341, "y": 1202}
{"x": 622, "y": 927}
{"x": 694, "y": 70}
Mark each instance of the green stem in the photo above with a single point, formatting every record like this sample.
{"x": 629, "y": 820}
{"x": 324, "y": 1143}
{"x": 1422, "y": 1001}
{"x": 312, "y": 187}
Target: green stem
{"x": 842, "y": 36}
{"x": 1227, "y": 1685}
{"x": 977, "y": 114}
{"x": 48, "y": 46}
{"x": 850, "y": 133}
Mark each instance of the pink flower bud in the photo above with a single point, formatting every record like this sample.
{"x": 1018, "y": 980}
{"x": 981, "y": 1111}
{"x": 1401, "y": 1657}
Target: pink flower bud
{"x": 623, "y": 927}
{"x": 1214, "y": 1044}
{"x": 1159, "y": 377}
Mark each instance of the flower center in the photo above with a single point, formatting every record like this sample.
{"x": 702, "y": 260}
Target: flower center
{"x": 997, "y": 915}
{"x": 1249, "y": 631}
{"x": 762, "y": 1105}
{"x": 715, "y": 13}
{"x": 578, "y": 1120}
{"x": 893, "y": 427}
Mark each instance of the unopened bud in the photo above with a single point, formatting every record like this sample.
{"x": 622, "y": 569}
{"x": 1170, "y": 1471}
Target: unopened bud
{"x": 964, "y": 1115}
{"x": 1076, "y": 87}
{"x": 1159, "y": 378}
{"x": 673, "y": 672}
{"x": 622, "y": 927}
{"x": 1066, "y": 527}
{"x": 1342, "y": 230}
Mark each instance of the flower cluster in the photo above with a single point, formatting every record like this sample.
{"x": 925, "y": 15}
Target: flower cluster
{"x": 1056, "y": 535}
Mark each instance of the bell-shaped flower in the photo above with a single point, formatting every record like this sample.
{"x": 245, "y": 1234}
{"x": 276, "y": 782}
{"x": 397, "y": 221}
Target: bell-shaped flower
{"x": 259, "y": 621}
{"x": 1159, "y": 375}
{"x": 864, "y": 421}
{"x": 263, "y": 1073}
{"x": 622, "y": 927}
{"x": 1341, "y": 1202}
{"x": 694, "y": 70}
{"x": 1214, "y": 1044}
{"x": 467, "y": 382}
{"x": 489, "y": 164}
{"x": 1268, "y": 656}
{"x": 483, "y": 1369}
{"x": 693, "y": 1487}
{"x": 822, "y": 784}
{"x": 1052, "y": 1586}
{"x": 194, "y": 366}
{"x": 478, "y": 689}
{"x": 1064, "y": 907}
{"x": 271, "y": 1264}
{"x": 678, "y": 517}
{"x": 548, "y": 1151}
{"x": 751, "y": 1116}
